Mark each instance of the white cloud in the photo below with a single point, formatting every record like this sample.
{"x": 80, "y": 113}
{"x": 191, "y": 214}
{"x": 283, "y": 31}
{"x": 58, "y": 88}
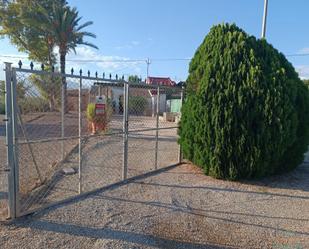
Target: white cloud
{"x": 135, "y": 43}
{"x": 304, "y": 50}
{"x": 130, "y": 45}
{"x": 14, "y": 59}
{"x": 303, "y": 71}
{"x": 87, "y": 58}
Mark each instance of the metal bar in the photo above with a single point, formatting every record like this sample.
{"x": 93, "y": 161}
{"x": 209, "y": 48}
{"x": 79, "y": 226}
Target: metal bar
{"x": 157, "y": 127}
{"x": 9, "y": 142}
{"x": 98, "y": 80}
{"x": 62, "y": 118}
{"x": 39, "y": 72}
{"x": 100, "y": 89}
{"x": 125, "y": 131}
{"x": 95, "y": 135}
{"x": 80, "y": 187}
{"x": 15, "y": 143}
{"x": 142, "y": 85}
{"x": 264, "y": 19}
{"x": 179, "y": 148}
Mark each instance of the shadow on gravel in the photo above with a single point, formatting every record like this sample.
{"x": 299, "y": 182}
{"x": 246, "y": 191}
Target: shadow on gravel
{"x": 207, "y": 213}
{"x": 221, "y": 189}
{"x": 108, "y": 233}
{"x": 297, "y": 179}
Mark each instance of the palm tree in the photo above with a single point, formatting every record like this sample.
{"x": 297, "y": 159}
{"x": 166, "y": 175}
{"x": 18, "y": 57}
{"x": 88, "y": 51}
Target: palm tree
{"x": 64, "y": 32}
{"x": 67, "y": 32}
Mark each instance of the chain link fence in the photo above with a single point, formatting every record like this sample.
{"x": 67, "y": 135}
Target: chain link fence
{"x": 72, "y": 134}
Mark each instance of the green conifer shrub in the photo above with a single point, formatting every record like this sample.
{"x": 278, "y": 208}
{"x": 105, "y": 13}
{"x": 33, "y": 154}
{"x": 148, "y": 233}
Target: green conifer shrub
{"x": 246, "y": 112}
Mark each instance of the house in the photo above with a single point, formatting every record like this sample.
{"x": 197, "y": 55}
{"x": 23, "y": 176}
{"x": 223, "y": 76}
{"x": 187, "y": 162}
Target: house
{"x": 162, "y": 81}
{"x": 115, "y": 95}
{"x": 164, "y": 94}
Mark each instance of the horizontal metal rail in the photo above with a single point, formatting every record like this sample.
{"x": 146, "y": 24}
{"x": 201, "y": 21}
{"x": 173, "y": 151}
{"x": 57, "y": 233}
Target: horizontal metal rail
{"x": 109, "y": 82}
{"x": 92, "y": 135}
{"x": 41, "y": 72}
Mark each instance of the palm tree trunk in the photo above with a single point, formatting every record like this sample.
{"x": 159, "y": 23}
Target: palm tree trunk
{"x": 64, "y": 83}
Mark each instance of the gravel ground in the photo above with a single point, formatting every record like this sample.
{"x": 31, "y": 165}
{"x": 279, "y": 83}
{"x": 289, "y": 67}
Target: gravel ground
{"x": 175, "y": 208}
{"x": 102, "y": 157}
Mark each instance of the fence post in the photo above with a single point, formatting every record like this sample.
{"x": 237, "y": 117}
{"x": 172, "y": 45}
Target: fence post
{"x": 9, "y": 143}
{"x": 125, "y": 130}
{"x": 157, "y": 126}
{"x": 15, "y": 140}
{"x": 80, "y": 159}
{"x": 62, "y": 119}
{"x": 179, "y": 148}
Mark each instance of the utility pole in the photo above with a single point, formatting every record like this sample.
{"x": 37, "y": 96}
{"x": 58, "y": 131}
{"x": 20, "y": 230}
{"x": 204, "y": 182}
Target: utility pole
{"x": 148, "y": 63}
{"x": 264, "y": 18}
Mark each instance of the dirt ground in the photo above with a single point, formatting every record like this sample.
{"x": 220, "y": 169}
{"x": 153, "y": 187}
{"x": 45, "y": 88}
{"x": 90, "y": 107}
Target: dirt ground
{"x": 178, "y": 207}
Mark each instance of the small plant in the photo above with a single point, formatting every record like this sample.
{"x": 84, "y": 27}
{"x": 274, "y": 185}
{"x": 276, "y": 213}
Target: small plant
{"x": 98, "y": 122}
{"x": 91, "y": 112}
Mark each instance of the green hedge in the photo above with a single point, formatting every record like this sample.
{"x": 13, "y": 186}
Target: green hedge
{"x": 246, "y": 111}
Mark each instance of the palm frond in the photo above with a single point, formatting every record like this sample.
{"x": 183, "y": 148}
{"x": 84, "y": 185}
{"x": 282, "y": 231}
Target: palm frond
{"x": 88, "y": 44}
{"x": 86, "y": 24}
{"x": 87, "y": 34}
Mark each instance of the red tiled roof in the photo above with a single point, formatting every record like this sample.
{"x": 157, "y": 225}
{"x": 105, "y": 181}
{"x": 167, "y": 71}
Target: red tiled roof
{"x": 166, "y": 81}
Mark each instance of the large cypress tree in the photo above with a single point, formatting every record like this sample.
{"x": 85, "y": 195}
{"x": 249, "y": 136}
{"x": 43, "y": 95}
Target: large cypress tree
{"x": 246, "y": 111}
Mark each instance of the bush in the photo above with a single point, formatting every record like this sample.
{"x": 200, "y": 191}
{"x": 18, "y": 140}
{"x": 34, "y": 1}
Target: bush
{"x": 91, "y": 116}
{"x": 33, "y": 104}
{"x": 137, "y": 105}
{"x": 246, "y": 111}
{"x": 2, "y": 108}
{"x": 91, "y": 112}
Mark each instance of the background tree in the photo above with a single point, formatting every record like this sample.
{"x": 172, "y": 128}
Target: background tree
{"x": 65, "y": 31}
{"x": 49, "y": 88}
{"x": 19, "y": 22}
{"x": 37, "y": 27}
{"x": 134, "y": 79}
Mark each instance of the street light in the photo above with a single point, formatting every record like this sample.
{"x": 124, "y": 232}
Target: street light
{"x": 264, "y": 18}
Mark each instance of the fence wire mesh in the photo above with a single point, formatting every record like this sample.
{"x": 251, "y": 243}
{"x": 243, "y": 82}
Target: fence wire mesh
{"x": 65, "y": 146}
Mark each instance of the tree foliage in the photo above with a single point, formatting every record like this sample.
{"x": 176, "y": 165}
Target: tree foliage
{"x": 37, "y": 27}
{"x": 49, "y": 89}
{"x": 19, "y": 22}
{"x": 134, "y": 79}
{"x": 246, "y": 112}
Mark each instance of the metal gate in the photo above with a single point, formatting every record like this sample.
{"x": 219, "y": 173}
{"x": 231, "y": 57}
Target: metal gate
{"x": 57, "y": 150}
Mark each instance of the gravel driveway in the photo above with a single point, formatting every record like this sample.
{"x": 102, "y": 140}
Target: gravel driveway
{"x": 102, "y": 157}
{"x": 176, "y": 208}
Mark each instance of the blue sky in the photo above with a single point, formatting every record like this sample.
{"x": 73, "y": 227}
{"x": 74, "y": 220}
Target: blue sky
{"x": 173, "y": 29}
